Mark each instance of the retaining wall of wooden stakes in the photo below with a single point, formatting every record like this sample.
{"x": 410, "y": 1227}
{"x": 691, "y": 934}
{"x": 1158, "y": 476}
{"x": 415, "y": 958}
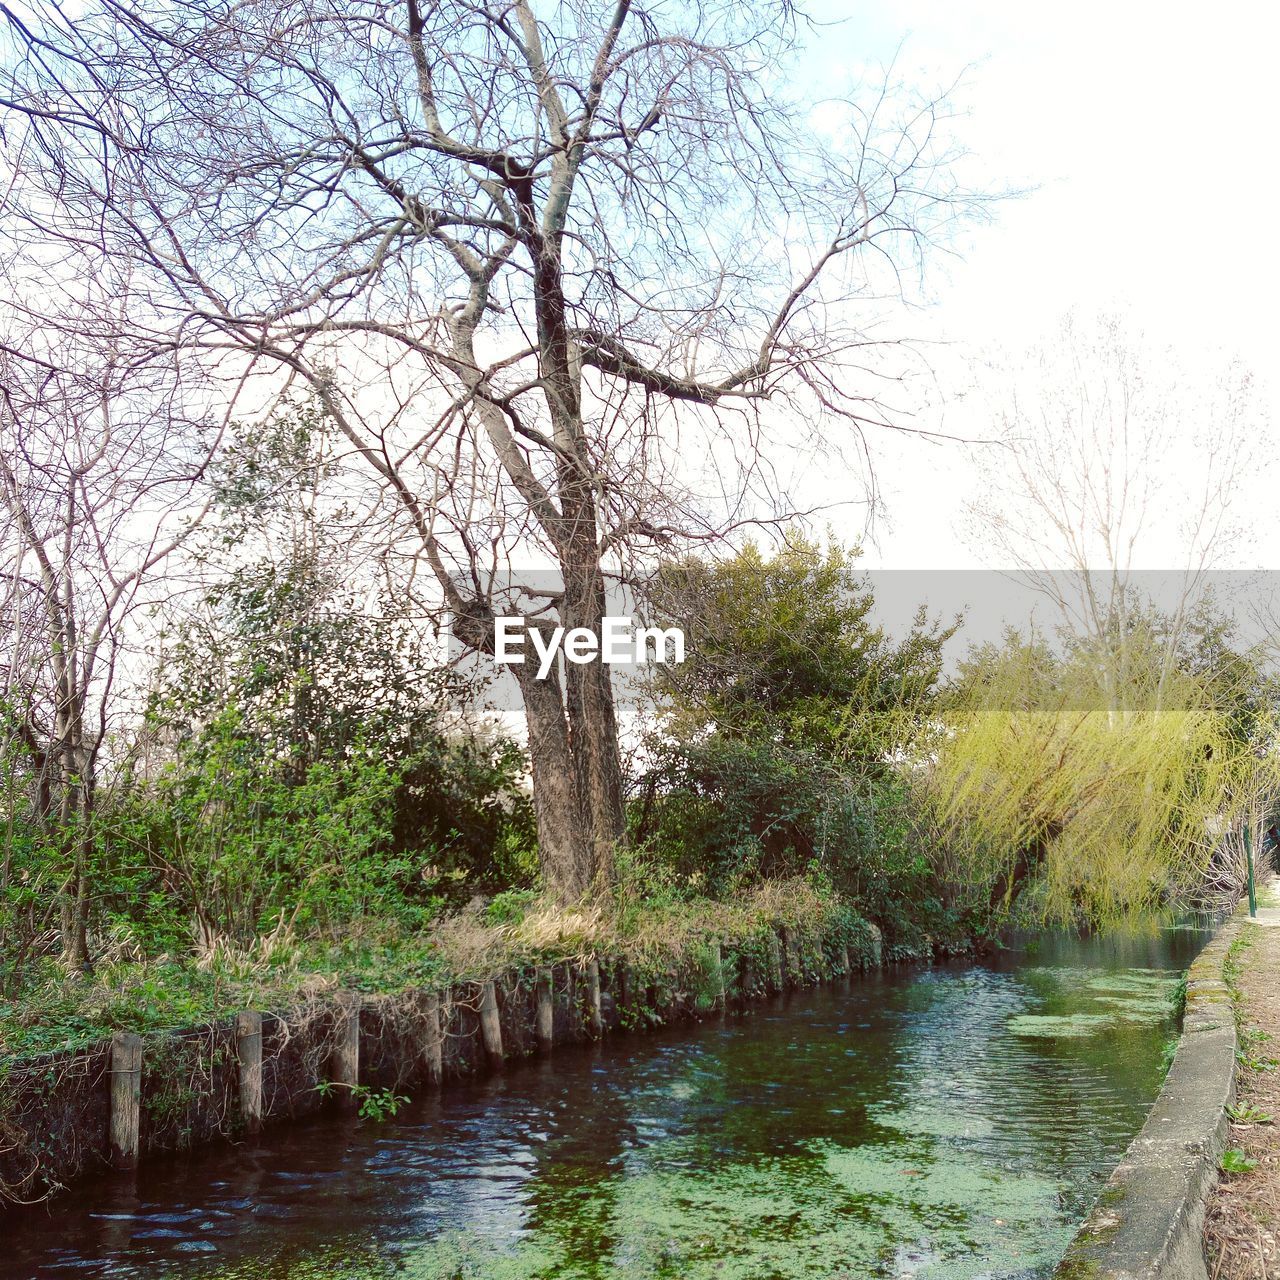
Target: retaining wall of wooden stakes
{"x": 65, "y": 1115}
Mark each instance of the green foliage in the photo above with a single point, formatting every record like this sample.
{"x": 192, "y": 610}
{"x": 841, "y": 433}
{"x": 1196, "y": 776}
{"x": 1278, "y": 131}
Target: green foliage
{"x": 373, "y": 1104}
{"x": 705, "y": 976}
{"x": 379, "y": 1104}
{"x": 1046, "y": 765}
{"x": 1247, "y": 1059}
{"x": 510, "y": 906}
{"x": 1235, "y": 1161}
{"x": 30, "y": 869}
{"x": 1247, "y": 1113}
{"x": 243, "y": 848}
{"x": 1233, "y": 966}
{"x": 56, "y": 1010}
{"x": 311, "y": 780}
{"x": 782, "y": 731}
{"x": 299, "y": 776}
{"x": 1178, "y": 1005}
{"x": 782, "y": 649}
{"x": 460, "y": 802}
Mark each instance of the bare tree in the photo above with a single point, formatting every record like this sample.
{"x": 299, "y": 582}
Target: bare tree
{"x": 1116, "y": 487}
{"x": 563, "y": 280}
{"x": 98, "y": 463}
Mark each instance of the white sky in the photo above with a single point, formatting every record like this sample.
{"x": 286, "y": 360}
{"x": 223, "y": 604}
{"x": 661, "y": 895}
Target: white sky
{"x": 1147, "y": 133}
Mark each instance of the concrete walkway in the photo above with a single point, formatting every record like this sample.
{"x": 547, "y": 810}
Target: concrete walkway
{"x": 1268, "y": 917}
{"x": 1242, "y": 1224}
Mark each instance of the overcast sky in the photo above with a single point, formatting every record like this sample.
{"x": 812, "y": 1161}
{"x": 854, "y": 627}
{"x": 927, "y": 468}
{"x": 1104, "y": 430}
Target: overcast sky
{"x": 1146, "y": 136}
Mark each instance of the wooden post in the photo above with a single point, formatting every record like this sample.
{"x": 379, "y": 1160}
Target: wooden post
{"x": 490, "y": 1027}
{"x": 249, "y": 1053}
{"x": 544, "y": 1019}
{"x": 126, "y": 1098}
{"x": 775, "y": 963}
{"x": 433, "y": 1040}
{"x": 848, "y": 969}
{"x": 344, "y": 1062}
{"x": 623, "y": 994}
{"x": 575, "y": 1018}
{"x": 721, "y": 996}
{"x": 595, "y": 1020}
{"x": 651, "y": 1004}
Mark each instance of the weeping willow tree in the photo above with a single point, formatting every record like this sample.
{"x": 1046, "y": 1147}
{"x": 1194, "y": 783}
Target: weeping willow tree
{"x": 1100, "y": 782}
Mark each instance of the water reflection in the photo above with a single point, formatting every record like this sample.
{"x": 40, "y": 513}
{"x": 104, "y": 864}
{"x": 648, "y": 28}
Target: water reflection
{"x": 952, "y": 1122}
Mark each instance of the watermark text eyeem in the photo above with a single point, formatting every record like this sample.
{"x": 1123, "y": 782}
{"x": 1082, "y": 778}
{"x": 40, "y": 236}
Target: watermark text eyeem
{"x": 619, "y": 641}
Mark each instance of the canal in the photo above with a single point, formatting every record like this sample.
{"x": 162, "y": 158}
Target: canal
{"x": 948, "y": 1123}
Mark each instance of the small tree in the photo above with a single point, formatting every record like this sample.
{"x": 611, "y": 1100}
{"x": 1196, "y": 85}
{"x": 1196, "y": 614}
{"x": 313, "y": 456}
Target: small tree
{"x": 1118, "y": 457}
{"x": 99, "y": 463}
{"x": 783, "y": 649}
{"x": 784, "y": 730}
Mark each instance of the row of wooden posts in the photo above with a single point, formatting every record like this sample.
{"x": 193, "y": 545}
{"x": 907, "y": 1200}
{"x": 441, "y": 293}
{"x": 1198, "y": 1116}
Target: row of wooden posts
{"x": 344, "y": 1061}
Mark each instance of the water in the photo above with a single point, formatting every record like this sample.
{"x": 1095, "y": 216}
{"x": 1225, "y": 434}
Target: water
{"x": 948, "y": 1124}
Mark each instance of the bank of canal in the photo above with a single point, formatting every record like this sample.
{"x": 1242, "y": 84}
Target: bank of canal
{"x": 951, "y": 1122}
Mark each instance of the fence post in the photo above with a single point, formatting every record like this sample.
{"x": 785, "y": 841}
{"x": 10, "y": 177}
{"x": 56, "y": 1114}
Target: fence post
{"x": 249, "y": 1054}
{"x": 544, "y": 1014}
{"x": 126, "y": 1098}
{"x": 623, "y": 995}
{"x": 344, "y": 1062}
{"x": 433, "y": 1040}
{"x": 595, "y": 1019}
{"x": 774, "y": 947}
{"x": 1248, "y": 848}
{"x": 490, "y": 1026}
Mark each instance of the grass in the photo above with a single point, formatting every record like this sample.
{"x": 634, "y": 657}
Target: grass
{"x": 59, "y": 1011}
{"x": 1233, "y": 966}
{"x": 644, "y": 932}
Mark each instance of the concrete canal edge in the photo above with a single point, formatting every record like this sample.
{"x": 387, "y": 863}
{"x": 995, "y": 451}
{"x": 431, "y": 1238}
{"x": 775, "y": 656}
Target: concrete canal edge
{"x": 1148, "y": 1223}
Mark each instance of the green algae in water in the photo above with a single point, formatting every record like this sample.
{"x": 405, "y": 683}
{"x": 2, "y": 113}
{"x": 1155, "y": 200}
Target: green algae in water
{"x": 1101, "y": 1001}
{"x": 1136, "y": 984}
{"x": 1138, "y": 1008}
{"x": 1132, "y": 978}
{"x": 1059, "y": 1026}
{"x": 933, "y": 1119}
{"x": 876, "y": 1210}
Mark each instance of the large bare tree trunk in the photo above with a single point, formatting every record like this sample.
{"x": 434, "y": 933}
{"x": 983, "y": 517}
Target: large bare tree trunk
{"x": 566, "y": 852}
{"x": 593, "y": 728}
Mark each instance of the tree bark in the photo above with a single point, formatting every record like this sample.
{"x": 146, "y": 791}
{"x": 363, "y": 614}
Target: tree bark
{"x": 593, "y": 727}
{"x": 564, "y": 852}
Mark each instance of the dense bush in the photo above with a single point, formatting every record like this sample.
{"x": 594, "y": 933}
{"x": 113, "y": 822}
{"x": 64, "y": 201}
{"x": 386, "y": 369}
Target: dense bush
{"x": 782, "y": 728}
{"x": 728, "y": 815}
